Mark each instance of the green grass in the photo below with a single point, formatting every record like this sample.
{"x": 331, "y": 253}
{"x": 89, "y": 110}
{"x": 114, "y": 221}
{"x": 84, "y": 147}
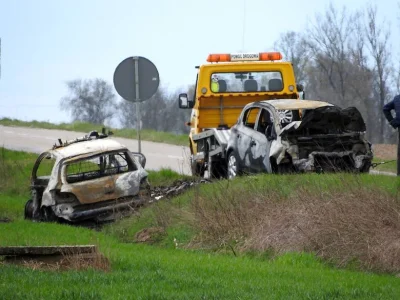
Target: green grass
{"x": 165, "y": 177}
{"x": 15, "y": 171}
{"x": 145, "y": 272}
{"x": 171, "y": 268}
{"x": 388, "y": 166}
{"x": 146, "y": 135}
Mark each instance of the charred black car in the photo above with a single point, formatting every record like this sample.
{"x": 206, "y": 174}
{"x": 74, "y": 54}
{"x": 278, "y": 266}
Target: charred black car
{"x": 280, "y": 136}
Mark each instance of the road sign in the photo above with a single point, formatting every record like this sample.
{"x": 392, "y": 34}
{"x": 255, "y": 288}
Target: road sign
{"x": 136, "y": 79}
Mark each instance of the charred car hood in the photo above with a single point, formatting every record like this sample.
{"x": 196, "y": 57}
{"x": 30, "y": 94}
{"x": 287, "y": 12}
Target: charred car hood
{"x": 348, "y": 119}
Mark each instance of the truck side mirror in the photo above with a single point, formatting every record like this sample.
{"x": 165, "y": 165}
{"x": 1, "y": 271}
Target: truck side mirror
{"x": 184, "y": 102}
{"x": 300, "y": 87}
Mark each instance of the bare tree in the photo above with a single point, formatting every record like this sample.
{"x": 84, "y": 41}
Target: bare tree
{"x": 378, "y": 36}
{"x": 396, "y": 73}
{"x": 90, "y": 101}
{"x": 294, "y": 49}
{"x": 152, "y": 112}
{"x": 127, "y": 114}
{"x": 159, "y": 113}
{"x": 329, "y": 40}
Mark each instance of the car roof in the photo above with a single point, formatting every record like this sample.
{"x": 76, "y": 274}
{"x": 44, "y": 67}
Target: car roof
{"x": 292, "y": 104}
{"x": 87, "y": 147}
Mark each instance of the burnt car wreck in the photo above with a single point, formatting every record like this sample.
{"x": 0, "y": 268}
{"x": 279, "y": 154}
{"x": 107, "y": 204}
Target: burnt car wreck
{"x": 90, "y": 178}
{"x": 280, "y": 136}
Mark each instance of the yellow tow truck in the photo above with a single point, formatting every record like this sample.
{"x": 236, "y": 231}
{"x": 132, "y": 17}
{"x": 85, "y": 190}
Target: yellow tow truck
{"x": 224, "y": 86}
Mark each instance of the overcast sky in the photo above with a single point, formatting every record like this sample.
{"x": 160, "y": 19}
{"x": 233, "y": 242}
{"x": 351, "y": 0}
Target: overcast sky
{"x": 47, "y": 42}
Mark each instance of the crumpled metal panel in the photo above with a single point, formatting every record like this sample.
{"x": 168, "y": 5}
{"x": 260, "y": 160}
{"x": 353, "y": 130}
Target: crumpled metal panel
{"x": 222, "y": 136}
{"x": 81, "y": 148}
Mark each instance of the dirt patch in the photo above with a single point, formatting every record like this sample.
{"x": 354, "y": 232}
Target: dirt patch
{"x": 149, "y": 235}
{"x": 61, "y": 262}
{"x": 385, "y": 151}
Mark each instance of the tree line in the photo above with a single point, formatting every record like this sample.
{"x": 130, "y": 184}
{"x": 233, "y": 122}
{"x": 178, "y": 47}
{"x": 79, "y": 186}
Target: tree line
{"x": 343, "y": 57}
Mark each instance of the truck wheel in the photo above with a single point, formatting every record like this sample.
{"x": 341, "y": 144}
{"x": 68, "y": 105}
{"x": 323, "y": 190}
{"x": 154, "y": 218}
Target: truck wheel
{"x": 233, "y": 167}
{"x": 218, "y": 170}
{"x": 197, "y": 169}
{"x": 28, "y": 213}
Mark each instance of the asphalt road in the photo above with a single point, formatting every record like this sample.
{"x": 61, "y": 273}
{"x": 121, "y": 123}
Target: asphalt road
{"x": 38, "y": 140}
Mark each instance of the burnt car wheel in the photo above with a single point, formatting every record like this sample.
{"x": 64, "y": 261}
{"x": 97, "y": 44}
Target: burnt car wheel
{"x": 233, "y": 167}
{"x": 48, "y": 214}
{"x": 285, "y": 116}
{"x": 28, "y": 213}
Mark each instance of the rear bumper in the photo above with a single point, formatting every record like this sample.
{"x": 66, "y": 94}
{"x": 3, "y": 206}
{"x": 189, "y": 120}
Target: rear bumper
{"x": 99, "y": 211}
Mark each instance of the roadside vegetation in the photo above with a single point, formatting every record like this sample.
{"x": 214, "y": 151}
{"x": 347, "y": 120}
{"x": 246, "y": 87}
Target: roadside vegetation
{"x": 291, "y": 237}
{"x": 146, "y": 134}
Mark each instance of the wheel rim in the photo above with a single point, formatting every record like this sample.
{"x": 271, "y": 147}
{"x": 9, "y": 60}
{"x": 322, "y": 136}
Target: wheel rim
{"x": 285, "y": 116}
{"x": 232, "y": 166}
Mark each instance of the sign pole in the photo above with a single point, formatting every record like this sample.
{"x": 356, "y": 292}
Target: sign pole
{"x": 137, "y": 99}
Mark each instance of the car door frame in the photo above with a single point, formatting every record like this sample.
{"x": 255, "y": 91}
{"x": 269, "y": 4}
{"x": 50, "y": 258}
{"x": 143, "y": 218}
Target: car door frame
{"x": 243, "y": 139}
{"x": 261, "y": 146}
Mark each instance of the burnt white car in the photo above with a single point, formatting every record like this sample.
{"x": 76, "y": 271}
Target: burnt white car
{"x": 279, "y": 136}
{"x": 90, "y": 178}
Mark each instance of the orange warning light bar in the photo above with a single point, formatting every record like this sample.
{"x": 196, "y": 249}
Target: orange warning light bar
{"x": 263, "y": 56}
{"x": 270, "y": 56}
{"x": 219, "y": 57}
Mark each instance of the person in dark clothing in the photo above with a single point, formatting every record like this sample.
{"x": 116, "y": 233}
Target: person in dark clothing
{"x": 394, "y": 122}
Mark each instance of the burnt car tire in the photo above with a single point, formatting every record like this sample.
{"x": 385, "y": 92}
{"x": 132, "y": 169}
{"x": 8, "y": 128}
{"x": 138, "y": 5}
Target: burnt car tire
{"x": 28, "y": 212}
{"x": 366, "y": 168}
{"x": 233, "y": 168}
{"x": 48, "y": 214}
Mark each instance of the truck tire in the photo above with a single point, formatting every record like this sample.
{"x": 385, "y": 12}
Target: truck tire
{"x": 197, "y": 169}
{"x": 233, "y": 168}
{"x": 218, "y": 170}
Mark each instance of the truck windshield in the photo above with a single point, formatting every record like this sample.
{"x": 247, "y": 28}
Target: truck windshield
{"x": 239, "y": 82}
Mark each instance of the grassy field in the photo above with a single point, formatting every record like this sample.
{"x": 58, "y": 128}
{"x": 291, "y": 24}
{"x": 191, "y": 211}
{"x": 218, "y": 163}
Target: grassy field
{"x": 214, "y": 242}
{"x": 146, "y": 135}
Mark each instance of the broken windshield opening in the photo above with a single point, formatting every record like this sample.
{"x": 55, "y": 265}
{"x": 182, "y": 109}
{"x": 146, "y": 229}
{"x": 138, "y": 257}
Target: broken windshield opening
{"x": 98, "y": 166}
